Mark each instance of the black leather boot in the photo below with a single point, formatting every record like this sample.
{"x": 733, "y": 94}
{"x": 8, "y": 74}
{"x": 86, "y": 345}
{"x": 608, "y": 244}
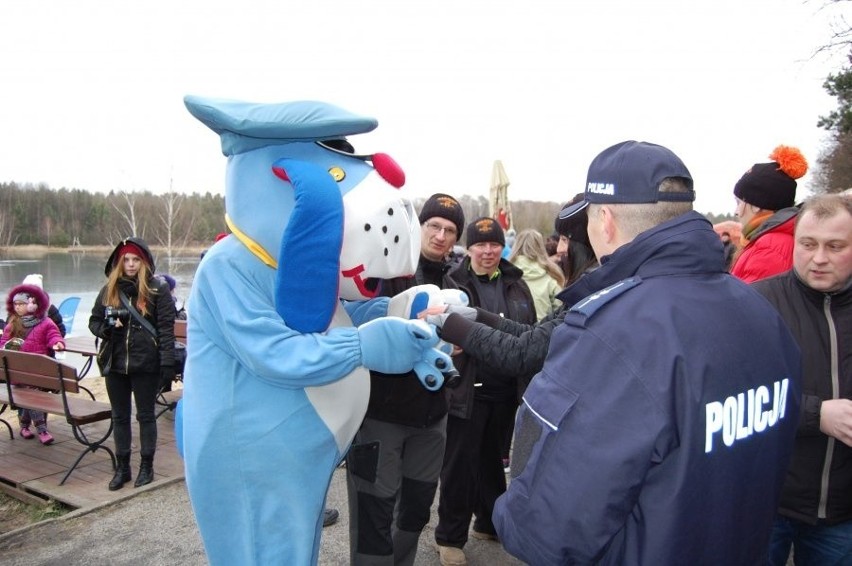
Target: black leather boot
{"x": 122, "y": 472}
{"x": 146, "y": 471}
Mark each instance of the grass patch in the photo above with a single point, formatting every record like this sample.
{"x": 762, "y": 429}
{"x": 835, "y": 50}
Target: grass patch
{"x": 15, "y": 514}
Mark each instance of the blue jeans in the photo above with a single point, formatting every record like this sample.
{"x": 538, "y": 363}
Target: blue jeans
{"x": 817, "y": 545}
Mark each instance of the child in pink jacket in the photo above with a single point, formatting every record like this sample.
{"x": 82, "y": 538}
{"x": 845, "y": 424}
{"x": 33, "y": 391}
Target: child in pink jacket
{"x": 28, "y": 329}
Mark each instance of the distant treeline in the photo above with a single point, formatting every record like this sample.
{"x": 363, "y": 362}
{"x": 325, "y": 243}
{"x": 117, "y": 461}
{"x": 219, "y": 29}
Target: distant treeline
{"x": 39, "y": 215}
{"x": 64, "y": 217}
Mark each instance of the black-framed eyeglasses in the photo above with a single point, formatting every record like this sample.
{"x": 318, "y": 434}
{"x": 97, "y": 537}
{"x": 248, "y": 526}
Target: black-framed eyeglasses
{"x": 437, "y": 228}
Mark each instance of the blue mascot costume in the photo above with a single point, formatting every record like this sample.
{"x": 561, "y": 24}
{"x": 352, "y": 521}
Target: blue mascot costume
{"x": 284, "y": 324}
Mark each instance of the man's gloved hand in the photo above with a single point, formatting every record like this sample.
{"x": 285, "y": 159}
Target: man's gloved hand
{"x": 438, "y": 319}
{"x": 167, "y": 374}
{"x": 394, "y": 345}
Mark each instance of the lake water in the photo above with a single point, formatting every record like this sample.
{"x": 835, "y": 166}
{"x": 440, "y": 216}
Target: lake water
{"x": 81, "y": 274}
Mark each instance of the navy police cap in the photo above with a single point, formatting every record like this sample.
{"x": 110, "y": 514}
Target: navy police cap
{"x": 630, "y": 173}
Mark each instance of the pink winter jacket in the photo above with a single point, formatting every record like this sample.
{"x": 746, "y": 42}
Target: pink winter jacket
{"x": 44, "y": 335}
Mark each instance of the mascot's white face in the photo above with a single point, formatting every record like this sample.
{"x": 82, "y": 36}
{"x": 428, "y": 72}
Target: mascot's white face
{"x": 381, "y": 238}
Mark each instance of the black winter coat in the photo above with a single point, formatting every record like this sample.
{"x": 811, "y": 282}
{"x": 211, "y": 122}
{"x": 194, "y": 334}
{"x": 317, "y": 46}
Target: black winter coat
{"x": 520, "y": 307}
{"x": 402, "y": 399}
{"x": 131, "y": 348}
{"x": 819, "y": 482}
{"x": 514, "y": 346}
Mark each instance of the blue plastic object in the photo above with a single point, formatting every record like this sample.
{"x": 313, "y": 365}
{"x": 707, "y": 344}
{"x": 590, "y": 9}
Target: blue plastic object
{"x": 67, "y": 309}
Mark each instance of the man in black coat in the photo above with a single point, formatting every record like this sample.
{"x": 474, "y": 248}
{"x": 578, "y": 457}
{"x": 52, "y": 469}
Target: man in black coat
{"x": 395, "y": 459}
{"x": 815, "y": 300}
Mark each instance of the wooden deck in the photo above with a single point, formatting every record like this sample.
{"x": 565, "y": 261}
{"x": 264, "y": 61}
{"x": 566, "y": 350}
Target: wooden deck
{"x": 31, "y": 472}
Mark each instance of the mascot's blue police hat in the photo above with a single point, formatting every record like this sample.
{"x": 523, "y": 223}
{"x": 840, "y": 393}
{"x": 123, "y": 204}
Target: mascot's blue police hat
{"x": 244, "y": 126}
{"x": 630, "y": 173}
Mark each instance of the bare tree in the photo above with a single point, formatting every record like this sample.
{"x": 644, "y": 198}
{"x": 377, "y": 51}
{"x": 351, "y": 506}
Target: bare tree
{"x": 7, "y": 229}
{"x": 172, "y": 238}
{"x": 129, "y": 216}
{"x": 841, "y": 29}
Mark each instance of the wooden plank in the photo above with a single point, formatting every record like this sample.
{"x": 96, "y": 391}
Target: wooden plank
{"x": 180, "y": 331}
{"x": 32, "y": 472}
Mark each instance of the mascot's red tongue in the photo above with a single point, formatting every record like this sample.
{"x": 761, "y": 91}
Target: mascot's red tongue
{"x": 369, "y": 287}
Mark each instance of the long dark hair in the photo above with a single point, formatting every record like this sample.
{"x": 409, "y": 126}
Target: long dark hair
{"x": 577, "y": 260}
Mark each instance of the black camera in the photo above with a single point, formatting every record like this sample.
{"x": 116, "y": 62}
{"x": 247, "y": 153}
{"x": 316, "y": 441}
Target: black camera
{"x": 113, "y": 314}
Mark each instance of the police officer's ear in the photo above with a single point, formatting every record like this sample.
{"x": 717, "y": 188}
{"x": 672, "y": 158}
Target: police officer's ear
{"x": 606, "y": 226}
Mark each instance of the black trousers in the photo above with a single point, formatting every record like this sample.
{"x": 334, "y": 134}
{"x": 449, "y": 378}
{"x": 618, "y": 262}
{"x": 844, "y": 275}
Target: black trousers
{"x": 472, "y": 477}
{"x": 143, "y": 387}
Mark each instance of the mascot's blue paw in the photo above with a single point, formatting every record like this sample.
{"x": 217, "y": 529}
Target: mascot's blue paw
{"x": 395, "y": 345}
{"x": 435, "y": 365}
{"x": 415, "y": 300}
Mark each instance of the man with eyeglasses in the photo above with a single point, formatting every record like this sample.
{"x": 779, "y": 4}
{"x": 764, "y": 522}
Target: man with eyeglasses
{"x": 482, "y": 407}
{"x": 395, "y": 459}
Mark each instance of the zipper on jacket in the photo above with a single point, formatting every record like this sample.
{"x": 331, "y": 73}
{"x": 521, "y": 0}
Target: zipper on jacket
{"x": 127, "y": 349}
{"x": 835, "y": 394}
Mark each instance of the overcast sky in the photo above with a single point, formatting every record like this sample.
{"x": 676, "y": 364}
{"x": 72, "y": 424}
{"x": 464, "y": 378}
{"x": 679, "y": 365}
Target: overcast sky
{"x": 91, "y": 92}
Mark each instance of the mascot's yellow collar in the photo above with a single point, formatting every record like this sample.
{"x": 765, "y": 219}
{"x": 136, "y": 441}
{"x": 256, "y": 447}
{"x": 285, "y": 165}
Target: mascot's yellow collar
{"x": 252, "y": 246}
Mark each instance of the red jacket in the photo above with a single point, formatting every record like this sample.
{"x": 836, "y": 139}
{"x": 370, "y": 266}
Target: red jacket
{"x": 770, "y": 250}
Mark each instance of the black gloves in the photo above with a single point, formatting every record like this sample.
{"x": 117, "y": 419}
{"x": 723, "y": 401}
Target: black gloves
{"x": 167, "y": 374}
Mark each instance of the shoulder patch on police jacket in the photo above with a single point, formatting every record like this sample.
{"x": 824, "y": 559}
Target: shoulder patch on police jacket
{"x": 590, "y": 305}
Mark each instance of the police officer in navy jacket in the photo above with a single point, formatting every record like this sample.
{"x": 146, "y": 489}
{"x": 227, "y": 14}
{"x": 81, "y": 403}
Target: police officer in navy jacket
{"x": 662, "y": 423}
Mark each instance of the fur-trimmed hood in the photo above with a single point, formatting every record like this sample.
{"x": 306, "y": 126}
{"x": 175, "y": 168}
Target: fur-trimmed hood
{"x": 41, "y": 297}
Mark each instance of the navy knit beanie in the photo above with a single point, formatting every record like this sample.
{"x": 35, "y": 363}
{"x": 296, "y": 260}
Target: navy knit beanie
{"x": 443, "y": 206}
{"x": 485, "y": 229}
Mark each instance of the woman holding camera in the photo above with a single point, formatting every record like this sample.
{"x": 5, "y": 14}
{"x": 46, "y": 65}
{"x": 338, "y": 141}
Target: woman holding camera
{"x": 134, "y": 316}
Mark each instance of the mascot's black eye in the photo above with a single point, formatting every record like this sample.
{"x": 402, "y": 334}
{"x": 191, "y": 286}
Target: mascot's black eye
{"x": 367, "y": 227}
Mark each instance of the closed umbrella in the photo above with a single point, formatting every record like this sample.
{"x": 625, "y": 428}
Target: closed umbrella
{"x": 499, "y": 201}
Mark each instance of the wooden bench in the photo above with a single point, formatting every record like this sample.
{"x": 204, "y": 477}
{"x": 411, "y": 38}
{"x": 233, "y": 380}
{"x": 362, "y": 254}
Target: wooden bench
{"x": 168, "y": 400}
{"x": 58, "y": 379}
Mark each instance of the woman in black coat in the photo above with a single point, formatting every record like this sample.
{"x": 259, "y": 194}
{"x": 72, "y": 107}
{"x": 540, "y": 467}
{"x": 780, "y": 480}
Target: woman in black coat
{"x": 519, "y": 348}
{"x": 134, "y": 316}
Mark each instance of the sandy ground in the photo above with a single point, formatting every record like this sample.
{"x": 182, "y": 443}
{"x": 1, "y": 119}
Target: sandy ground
{"x": 155, "y": 526}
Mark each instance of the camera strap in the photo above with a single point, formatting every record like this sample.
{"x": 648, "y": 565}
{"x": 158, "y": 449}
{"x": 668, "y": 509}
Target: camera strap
{"x": 139, "y": 318}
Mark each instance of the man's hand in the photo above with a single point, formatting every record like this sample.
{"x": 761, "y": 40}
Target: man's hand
{"x": 836, "y": 419}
